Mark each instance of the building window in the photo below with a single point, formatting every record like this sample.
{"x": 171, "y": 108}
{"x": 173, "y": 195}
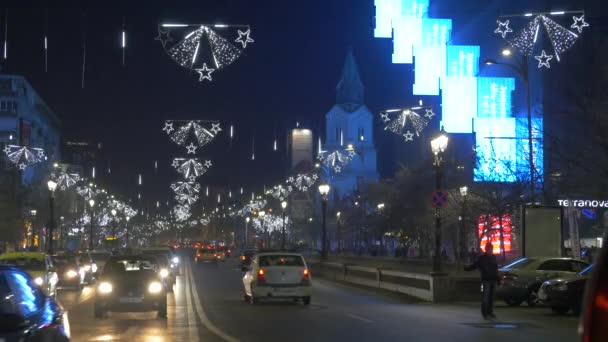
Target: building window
{"x": 8, "y": 106}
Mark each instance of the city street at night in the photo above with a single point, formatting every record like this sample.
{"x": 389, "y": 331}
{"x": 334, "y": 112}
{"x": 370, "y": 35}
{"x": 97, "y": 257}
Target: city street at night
{"x": 337, "y": 313}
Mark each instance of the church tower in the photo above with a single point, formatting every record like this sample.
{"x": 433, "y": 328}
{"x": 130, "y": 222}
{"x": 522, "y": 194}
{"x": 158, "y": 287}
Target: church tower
{"x": 349, "y": 122}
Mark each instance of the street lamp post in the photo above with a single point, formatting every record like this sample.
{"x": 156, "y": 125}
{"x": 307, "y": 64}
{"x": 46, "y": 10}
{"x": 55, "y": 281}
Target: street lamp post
{"x": 283, "y": 205}
{"x": 523, "y": 71}
{"x": 33, "y": 212}
{"x": 52, "y": 185}
{"x": 324, "y": 190}
{"x": 261, "y": 215}
{"x": 247, "y": 219}
{"x": 113, "y": 211}
{"x": 91, "y": 205}
{"x": 462, "y": 227}
{"x": 127, "y": 231}
{"x": 438, "y": 146}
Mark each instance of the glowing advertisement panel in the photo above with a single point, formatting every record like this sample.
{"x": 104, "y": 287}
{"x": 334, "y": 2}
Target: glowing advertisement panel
{"x": 463, "y": 60}
{"x": 408, "y": 33}
{"x": 415, "y": 8}
{"x": 523, "y": 164}
{"x": 459, "y": 103}
{"x": 489, "y": 231}
{"x": 384, "y": 16}
{"x": 436, "y": 31}
{"x": 496, "y": 150}
{"x": 494, "y": 95}
{"x": 430, "y": 67}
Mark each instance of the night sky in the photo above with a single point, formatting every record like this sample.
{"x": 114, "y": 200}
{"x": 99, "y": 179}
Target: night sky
{"x": 289, "y": 74}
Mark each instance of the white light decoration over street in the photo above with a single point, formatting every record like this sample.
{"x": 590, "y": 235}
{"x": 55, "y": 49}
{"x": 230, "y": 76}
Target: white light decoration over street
{"x": 579, "y": 23}
{"x": 543, "y": 60}
{"x": 191, "y": 167}
{"x": 407, "y": 123}
{"x": 192, "y": 131}
{"x": 503, "y": 28}
{"x": 22, "y": 156}
{"x": 279, "y": 192}
{"x": 302, "y": 181}
{"x": 66, "y": 180}
{"x": 203, "y": 49}
{"x": 337, "y": 160}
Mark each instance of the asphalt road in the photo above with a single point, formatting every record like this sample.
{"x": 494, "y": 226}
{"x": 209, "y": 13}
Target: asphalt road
{"x": 208, "y": 305}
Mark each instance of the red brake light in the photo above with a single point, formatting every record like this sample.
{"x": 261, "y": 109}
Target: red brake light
{"x": 306, "y": 273}
{"x": 261, "y": 276}
{"x": 306, "y": 277}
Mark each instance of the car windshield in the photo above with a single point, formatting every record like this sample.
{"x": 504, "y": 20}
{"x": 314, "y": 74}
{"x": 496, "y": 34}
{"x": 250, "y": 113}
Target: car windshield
{"x": 100, "y": 256}
{"x": 30, "y": 264}
{"x": 519, "y": 264}
{"x": 206, "y": 251}
{"x": 61, "y": 260}
{"x": 281, "y": 260}
{"x": 128, "y": 265}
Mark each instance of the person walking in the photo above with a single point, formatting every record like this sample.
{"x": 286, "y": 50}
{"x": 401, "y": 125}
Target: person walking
{"x": 488, "y": 269}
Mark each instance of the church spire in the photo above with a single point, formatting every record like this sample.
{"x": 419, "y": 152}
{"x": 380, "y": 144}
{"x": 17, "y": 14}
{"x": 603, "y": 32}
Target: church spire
{"x": 349, "y": 91}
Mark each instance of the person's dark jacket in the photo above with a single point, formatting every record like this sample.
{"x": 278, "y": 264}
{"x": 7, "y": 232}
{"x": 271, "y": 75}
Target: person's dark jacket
{"x": 488, "y": 267}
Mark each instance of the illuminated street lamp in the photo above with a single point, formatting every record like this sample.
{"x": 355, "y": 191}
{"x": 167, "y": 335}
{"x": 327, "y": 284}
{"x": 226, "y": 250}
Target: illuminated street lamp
{"x": 91, "y": 205}
{"x": 464, "y": 191}
{"x": 438, "y": 145}
{"x": 113, "y": 211}
{"x": 324, "y": 191}
{"x": 261, "y": 215}
{"x": 247, "y": 219}
{"x": 127, "y": 231}
{"x": 52, "y": 185}
{"x": 283, "y": 205}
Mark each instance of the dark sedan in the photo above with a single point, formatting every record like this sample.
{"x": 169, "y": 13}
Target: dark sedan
{"x": 69, "y": 271}
{"x": 27, "y": 313}
{"x": 565, "y": 294}
{"x": 131, "y": 283}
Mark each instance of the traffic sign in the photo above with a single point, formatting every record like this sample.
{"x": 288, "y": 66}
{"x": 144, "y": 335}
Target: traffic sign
{"x": 439, "y": 199}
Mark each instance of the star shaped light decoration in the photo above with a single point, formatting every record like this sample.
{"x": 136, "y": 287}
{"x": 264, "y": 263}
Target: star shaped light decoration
{"x": 168, "y": 127}
{"x": 579, "y": 23}
{"x": 7, "y": 149}
{"x": 22, "y": 155}
{"x": 191, "y": 149}
{"x": 205, "y": 73}
{"x": 164, "y": 36}
{"x": 384, "y": 117}
{"x": 191, "y": 167}
{"x": 503, "y": 28}
{"x": 202, "y": 135}
{"x": 215, "y": 128}
{"x": 22, "y": 166}
{"x": 175, "y": 163}
{"x": 408, "y": 123}
{"x": 246, "y": 36}
{"x": 208, "y": 165}
{"x": 302, "y": 181}
{"x": 337, "y": 159}
{"x": 543, "y": 60}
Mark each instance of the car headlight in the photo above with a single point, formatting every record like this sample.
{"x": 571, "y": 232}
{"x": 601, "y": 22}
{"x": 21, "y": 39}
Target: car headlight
{"x": 39, "y": 281}
{"x": 175, "y": 260}
{"x": 87, "y": 268}
{"x": 105, "y": 287}
{"x": 71, "y": 273}
{"x": 155, "y": 287}
{"x": 164, "y": 273}
{"x": 94, "y": 267}
{"x": 561, "y": 287}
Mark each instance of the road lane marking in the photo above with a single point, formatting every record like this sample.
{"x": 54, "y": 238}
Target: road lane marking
{"x": 363, "y": 319}
{"x": 201, "y": 313}
{"x": 190, "y": 312}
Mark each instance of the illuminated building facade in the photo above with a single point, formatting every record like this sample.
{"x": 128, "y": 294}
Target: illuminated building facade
{"x": 471, "y": 104}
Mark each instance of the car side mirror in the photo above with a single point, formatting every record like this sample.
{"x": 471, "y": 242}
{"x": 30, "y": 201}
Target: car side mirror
{"x": 593, "y": 325}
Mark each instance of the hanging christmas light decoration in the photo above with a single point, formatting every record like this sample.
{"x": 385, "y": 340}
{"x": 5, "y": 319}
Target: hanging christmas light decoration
{"x": 88, "y": 192}
{"x": 302, "y": 181}
{"x": 181, "y": 212}
{"x": 407, "y": 123}
{"x": 271, "y": 223}
{"x": 252, "y": 206}
{"x": 202, "y": 49}
{"x": 185, "y": 188}
{"x": 279, "y": 192}
{"x": 22, "y": 156}
{"x": 205, "y": 221}
{"x": 202, "y": 135}
{"x": 191, "y": 168}
{"x": 338, "y": 159}
{"x": 560, "y": 38}
{"x": 65, "y": 180}
{"x": 186, "y": 198}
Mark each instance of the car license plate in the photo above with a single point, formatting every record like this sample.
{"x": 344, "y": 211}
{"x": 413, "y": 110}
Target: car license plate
{"x": 130, "y": 299}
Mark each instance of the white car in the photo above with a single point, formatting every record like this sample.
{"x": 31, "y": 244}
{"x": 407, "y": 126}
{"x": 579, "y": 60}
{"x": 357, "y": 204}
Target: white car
{"x": 278, "y": 275}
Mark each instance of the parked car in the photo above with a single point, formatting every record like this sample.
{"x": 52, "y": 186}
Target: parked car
{"x": 130, "y": 283}
{"x": 277, "y": 275}
{"x": 38, "y": 265}
{"x": 70, "y": 274}
{"x": 88, "y": 265}
{"x": 565, "y": 294}
{"x": 520, "y": 281}
{"x": 27, "y": 313}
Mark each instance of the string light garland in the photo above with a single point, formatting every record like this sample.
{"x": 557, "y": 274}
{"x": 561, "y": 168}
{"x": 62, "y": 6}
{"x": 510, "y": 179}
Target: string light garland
{"x": 279, "y": 192}
{"x": 182, "y": 135}
{"x": 407, "y": 123}
{"x": 302, "y": 181}
{"x": 22, "y": 156}
{"x": 202, "y": 49}
{"x": 561, "y": 38}
{"x": 65, "y": 180}
{"x": 191, "y": 167}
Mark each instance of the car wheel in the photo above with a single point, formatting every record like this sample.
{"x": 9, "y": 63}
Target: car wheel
{"x": 560, "y": 309}
{"x": 306, "y": 300}
{"x": 99, "y": 313}
{"x": 532, "y": 298}
{"x": 513, "y": 302}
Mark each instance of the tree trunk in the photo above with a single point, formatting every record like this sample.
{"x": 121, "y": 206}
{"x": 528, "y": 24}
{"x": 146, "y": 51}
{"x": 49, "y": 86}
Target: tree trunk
{"x": 502, "y": 238}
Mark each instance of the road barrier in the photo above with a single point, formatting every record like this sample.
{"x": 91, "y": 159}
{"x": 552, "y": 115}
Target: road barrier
{"x": 424, "y": 286}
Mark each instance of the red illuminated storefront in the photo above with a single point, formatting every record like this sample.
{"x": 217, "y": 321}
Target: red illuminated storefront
{"x": 493, "y": 232}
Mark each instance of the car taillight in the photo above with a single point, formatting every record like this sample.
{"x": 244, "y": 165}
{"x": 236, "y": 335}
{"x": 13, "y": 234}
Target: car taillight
{"x": 243, "y": 257}
{"x": 261, "y": 276}
{"x": 306, "y": 277}
{"x": 199, "y": 255}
